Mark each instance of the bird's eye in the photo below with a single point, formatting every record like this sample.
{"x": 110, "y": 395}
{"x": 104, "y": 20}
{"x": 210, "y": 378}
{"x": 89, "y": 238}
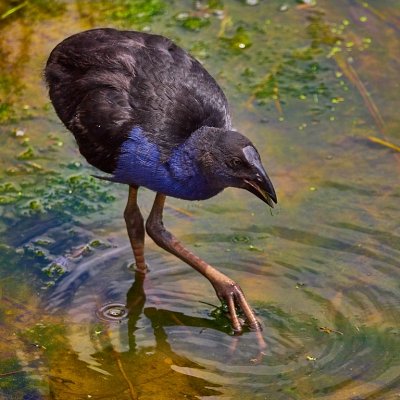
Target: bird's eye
{"x": 235, "y": 162}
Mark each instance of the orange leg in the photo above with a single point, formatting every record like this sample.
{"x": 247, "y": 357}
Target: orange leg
{"x": 135, "y": 227}
{"x": 227, "y": 290}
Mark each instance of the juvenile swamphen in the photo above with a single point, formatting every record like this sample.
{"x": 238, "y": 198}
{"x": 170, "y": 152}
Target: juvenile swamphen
{"x": 146, "y": 112}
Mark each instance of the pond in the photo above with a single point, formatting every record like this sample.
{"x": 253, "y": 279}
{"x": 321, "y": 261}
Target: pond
{"x": 315, "y": 86}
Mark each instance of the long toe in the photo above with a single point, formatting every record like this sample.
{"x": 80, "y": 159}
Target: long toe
{"x": 236, "y": 325}
{"x": 252, "y": 321}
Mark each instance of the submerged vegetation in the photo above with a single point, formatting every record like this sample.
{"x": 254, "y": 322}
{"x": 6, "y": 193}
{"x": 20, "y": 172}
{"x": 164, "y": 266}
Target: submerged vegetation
{"x": 73, "y": 195}
{"x": 134, "y": 13}
{"x": 314, "y": 84}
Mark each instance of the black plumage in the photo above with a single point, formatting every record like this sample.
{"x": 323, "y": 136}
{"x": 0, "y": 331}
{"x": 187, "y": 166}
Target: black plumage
{"x": 103, "y": 82}
{"x": 146, "y": 112}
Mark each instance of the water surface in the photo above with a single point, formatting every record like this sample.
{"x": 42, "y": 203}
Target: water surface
{"x": 316, "y": 88}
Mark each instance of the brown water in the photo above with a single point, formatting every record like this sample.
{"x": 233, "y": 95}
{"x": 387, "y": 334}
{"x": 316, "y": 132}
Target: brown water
{"x": 316, "y": 88}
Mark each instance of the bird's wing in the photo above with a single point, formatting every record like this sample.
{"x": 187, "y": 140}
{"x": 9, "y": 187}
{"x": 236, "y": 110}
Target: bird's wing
{"x": 104, "y": 82}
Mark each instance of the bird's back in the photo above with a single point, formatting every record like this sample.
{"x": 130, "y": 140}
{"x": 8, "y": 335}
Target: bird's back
{"x": 105, "y": 82}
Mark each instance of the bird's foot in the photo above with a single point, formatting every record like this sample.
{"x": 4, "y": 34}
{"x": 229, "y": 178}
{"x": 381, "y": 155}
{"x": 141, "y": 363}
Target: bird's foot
{"x": 230, "y": 293}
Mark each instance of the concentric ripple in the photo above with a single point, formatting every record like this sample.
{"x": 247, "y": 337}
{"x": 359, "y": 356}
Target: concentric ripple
{"x": 321, "y": 342}
{"x": 112, "y": 312}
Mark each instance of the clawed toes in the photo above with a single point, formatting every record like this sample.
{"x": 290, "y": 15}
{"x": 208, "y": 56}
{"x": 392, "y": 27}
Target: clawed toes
{"x": 236, "y": 302}
{"x": 230, "y": 293}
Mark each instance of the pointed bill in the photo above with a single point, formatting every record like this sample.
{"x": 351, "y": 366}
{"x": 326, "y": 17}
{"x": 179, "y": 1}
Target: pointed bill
{"x": 261, "y": 185}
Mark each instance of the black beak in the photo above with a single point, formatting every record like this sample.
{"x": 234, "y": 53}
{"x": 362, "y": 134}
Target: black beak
{"x": 262, "y": 187}
{"x": 259, "y": 183}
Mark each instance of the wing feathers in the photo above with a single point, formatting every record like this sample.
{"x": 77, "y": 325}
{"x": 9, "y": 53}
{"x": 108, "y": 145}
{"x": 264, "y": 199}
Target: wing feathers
{"x": 104, "y": 82}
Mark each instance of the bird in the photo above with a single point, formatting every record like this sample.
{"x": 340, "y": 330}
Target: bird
{"x": 148, "y": 114}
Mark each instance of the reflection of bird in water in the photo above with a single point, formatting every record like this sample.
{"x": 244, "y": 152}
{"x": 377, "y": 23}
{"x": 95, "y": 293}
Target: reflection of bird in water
{"x": 161, "y": 319}
{"x": 114, "y": 370}
{"x": 146, "y": 112}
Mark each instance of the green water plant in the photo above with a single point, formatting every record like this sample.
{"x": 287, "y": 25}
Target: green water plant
{"x": 191, "y": 22}
{"x": 134, "y": 14}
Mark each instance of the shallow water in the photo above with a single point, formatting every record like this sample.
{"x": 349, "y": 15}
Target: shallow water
{"x": 316, "y": 89}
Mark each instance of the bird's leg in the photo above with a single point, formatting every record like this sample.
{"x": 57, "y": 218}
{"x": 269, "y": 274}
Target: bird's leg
{"x": 227, "y": 290}
{"x": 135, "y": 227}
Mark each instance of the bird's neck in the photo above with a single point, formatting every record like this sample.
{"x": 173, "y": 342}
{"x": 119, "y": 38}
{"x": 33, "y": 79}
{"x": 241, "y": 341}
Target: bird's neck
{"x": 185, "y": 168}
{"x": 180, "y": 176}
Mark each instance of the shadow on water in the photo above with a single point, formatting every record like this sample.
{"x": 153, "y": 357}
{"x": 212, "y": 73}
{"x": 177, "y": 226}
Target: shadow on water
{"x": 314, "y": 87}
{"x": 150, "y": 371}
{"x": 168, "y": 335}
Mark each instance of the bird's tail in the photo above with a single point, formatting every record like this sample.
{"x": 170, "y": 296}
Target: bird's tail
{"x": 105, "y": 178}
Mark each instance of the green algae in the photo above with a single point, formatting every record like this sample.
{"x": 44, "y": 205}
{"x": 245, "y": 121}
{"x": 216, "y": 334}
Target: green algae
{"x": 325, "y": 260}
{"x": 27, "y": 154}
{"x": 191, "y": 22}
{"x": 240, "y": 40}
{"x": 215, "y": 4}
{"x": 6, "y": 112}
{"x": 134, "y": 14}
{"x": 73, "y": 195}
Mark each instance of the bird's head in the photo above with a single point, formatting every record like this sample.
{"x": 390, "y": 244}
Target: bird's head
{"x": 233, "y": 161}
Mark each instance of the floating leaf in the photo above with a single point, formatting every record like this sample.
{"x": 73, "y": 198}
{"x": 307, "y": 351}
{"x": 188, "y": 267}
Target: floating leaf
{"x": 329, "y": 330}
